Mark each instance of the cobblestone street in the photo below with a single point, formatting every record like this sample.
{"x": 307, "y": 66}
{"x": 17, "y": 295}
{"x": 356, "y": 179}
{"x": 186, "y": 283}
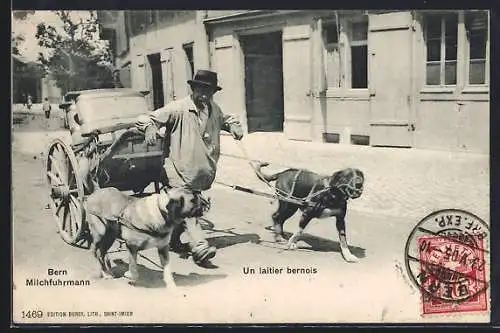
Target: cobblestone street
{"x": 399, "y": 182}
{"x": 402, "y": 187}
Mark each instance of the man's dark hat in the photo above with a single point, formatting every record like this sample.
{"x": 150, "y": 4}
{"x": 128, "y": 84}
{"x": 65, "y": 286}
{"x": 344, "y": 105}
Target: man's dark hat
{"x": 205, "y": 78}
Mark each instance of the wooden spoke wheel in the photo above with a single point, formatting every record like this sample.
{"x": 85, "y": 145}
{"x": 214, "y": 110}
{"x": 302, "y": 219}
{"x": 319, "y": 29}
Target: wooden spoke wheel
{"x": 66, "y": 193}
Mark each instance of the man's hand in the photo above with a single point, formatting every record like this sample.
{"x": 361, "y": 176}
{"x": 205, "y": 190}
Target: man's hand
{"x": 150, "y": 135}
{"x": 236, "y": 130}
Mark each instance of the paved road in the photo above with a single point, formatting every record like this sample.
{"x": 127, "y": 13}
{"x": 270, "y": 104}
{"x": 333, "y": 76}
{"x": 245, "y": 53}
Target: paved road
{"x": 375, "y": 289}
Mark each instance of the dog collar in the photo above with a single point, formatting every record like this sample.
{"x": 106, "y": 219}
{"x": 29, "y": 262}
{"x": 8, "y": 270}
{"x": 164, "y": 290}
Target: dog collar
{"x": 153, "y": 208}
{"x": 158, "y": 205}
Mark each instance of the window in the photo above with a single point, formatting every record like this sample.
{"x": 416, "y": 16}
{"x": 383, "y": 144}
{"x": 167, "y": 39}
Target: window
{"x": 476, "y": 25}
{"x": 359, "y": 55}
{"x": 333, "y": 66}
{"x": 346, "y": 63}
{"x": 441, "y": 41}
{"x": 110, "y": 36}
{"x": 445, "y": 34}
{"x": 139, "y": 20}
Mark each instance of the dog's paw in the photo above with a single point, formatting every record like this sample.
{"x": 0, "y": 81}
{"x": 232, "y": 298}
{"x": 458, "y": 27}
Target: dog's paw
{"x": 349, "y": 257}
{"x": 280, "y": 239}
{"x": 130, "y": 276}
{"x": 292, "y": 246}
{"x": 269, "y": 227}
{"x": 106, "y": 275}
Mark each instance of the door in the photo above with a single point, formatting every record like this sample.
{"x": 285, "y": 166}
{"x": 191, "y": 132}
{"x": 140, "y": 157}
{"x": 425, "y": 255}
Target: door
{"x": 297, "y": 82}
{"x": 390, "y": 77}
{"x": 263, "y": 81}
{"x": 156, "y": 80}
{"x": 139, "y": 73}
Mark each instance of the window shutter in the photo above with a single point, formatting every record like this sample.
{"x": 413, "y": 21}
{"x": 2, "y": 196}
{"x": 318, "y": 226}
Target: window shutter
{"x": 168, "y": 75}
{"x": 139, "y": 79}
{"x": 125, "y": 78}
{"x": 165, "y": 55}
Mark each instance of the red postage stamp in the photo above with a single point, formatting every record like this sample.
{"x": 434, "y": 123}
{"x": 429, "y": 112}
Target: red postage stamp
{"x": 447, "y": 257}
{"x": 452, "y": 271}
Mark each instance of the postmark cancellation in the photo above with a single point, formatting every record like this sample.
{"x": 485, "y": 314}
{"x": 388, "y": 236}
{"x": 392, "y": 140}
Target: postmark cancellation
{"x": 447, "y": 258}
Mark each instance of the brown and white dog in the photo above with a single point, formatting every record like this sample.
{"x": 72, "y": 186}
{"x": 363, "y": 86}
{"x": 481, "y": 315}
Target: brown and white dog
{"x": 334, "y": 191}
{"x": 142, "y": 223}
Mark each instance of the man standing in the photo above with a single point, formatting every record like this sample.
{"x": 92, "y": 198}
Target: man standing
{"x": 192, "y": 147}
{"x": 117, "y": 83}
{"x": 29, "y": 102}
{"x": 46, "y": 107}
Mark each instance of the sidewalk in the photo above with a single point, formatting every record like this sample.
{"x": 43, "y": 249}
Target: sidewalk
{"x": 398, "y": 182}
{"x": 35, "y": 108}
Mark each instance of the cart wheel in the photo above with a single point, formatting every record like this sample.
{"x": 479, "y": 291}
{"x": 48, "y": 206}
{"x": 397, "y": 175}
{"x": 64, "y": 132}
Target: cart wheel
{"x": 66, "y": 193}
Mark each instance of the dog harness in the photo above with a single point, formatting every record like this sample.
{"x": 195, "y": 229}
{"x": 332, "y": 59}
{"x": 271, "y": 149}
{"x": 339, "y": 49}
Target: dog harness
{"x": 294, "y": 183}
{"x": 307, "y": 200}
{"x": 145, "y": 216}
{"x": 350, "y": 189}
{"x": 312, "y": 198}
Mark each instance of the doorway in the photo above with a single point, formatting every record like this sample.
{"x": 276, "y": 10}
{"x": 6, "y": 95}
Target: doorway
{"x": 156, "y": 80}
{"x": 263, "y": 59}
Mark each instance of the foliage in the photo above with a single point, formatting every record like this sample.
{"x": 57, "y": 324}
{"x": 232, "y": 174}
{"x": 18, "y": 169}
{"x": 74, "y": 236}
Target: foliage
{"x": 15, "y": 42}
{"x": 22, "y": 14}
{"x": 78, "y": 59}
{"x": 25, "y": 74}
{"x": 16, "y": 39}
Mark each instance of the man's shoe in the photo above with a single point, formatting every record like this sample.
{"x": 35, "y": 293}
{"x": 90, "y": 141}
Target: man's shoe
{"x": 202, "y": 253}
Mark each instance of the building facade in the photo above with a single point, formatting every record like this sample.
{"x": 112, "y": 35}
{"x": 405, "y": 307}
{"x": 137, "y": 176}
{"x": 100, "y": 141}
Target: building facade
{"x": 383, "y": 78}
{"x": 28, "y": 82}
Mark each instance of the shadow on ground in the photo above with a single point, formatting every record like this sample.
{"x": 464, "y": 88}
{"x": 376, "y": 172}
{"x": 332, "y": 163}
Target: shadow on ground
{"x": 314, "y": 243}
{"x": 321, "y": 244}
{"x": 150, "y": 278}
{"x": 326, "y": 245}
{"x": 231, "y": 238}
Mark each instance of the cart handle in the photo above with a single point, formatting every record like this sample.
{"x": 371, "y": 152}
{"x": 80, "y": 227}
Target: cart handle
{"x": 132, "y": 131}
{"x": 108, "y": 129}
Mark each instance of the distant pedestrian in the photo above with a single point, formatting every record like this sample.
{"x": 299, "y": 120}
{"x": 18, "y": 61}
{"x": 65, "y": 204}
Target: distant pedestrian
{"x": 46, "y": 107}
{"x": 116, "y": 79}
{"x": 29, "y": 102}
{"x": 24, "y": 99}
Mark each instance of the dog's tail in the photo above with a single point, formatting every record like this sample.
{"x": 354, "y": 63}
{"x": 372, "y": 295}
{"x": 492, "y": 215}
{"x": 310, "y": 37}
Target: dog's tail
{"x": 268, "y": 178}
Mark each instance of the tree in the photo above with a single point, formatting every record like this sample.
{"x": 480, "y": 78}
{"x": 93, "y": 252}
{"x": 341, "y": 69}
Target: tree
{"x": 22, "y": 14}
{"x": 25, "y": 77}
{"x": 16, "y": 39}
{"x": 25, "y": 74}
{"x": 78, "y": 58}
{"x": 15, "y": 42}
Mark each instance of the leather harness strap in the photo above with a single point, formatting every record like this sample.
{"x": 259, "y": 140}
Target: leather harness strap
{"x": 294, "y": 183}
{"x": 126, "y": 222}
{"x": 307, "y": 201}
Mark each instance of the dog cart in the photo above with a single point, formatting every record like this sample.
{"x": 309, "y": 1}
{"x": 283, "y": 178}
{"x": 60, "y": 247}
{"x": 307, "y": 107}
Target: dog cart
{"x": 105, "y": 151}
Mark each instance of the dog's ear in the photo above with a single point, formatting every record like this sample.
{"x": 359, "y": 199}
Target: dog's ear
{"x": 339, "y": 177}
{"x": 175, "y": 205}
